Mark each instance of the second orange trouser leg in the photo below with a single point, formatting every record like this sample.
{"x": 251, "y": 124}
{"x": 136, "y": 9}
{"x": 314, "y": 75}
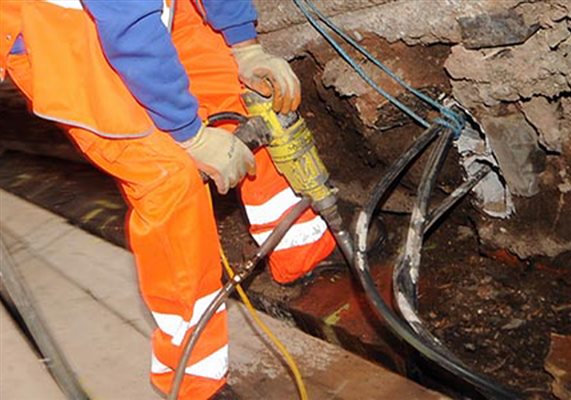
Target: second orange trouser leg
{"x": 267, "y": 197}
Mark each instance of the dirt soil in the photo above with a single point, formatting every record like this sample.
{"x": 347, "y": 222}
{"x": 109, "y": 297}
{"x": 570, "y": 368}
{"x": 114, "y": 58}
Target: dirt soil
{"x": 492, "y": 310}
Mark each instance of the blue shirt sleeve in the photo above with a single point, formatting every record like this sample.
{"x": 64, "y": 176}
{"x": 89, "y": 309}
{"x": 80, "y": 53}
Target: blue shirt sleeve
{"x": 235, "y": 19}
{"x": 138, "y": 46}
{"x": 19, "y": 47}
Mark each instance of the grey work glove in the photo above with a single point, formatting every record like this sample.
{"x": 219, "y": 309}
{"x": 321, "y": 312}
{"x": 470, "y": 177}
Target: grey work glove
{"x": 268, "y": 75}
{"x": 221, "y": 156}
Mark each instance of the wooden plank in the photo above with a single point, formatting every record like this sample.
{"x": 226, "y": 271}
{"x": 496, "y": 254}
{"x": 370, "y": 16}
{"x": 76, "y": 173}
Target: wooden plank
{"x": 329, "y": 371}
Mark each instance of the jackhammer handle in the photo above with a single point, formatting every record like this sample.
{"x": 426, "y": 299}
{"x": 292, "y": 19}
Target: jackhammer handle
{"x": 253, "y": 132}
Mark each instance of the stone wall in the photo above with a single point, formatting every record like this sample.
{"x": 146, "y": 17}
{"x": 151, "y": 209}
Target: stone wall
{"x": 507, "y": 61}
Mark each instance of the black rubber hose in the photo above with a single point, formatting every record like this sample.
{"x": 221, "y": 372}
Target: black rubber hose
{"x": 226, "y": 116}
{"x": 405, "y": 274}
{"x": 386, "y": 182}
{"x": 407, "y": 271}
{"x": 269, "y": 244}
{"x": 361, "y": 269}
{"x": 455, "y": 197}
{"x": 402, "y": 330}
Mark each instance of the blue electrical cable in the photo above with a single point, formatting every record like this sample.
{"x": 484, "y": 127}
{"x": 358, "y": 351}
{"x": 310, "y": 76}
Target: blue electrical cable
{"x": 358, "y": 68}
{"x": 449, "y": 118}
{"x": 453, "y": 120}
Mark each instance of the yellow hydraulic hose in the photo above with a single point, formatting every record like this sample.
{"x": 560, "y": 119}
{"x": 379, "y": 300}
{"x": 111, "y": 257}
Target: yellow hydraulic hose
{"x": 279, "y": 345}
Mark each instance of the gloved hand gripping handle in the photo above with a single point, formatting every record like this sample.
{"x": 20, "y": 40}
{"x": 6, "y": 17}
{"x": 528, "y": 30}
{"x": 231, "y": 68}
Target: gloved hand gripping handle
{"x": 253, "y": 132}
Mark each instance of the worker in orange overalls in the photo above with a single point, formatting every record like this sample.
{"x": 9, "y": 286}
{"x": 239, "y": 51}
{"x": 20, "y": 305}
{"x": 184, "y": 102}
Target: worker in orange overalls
{"x": 133, "y": 82}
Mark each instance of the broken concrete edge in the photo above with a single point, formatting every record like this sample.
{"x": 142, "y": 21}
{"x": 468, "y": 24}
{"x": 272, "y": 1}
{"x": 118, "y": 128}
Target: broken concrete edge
{"x": 493, "y": 30}
{"x": 542, "y": 114}
{"x": 514, "y": 143}
{"x": 493, "y": 196}
{"x": 281, "y": 14}
{"x": 521, "y": 86}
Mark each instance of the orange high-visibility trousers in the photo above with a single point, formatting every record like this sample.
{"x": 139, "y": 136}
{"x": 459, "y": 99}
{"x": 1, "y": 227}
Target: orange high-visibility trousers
{"x": 267, "y": 197}
{"x": 171, "y": 227}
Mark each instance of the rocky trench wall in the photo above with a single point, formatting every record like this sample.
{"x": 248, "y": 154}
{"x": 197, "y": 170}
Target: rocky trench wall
{"x": 507, "y": 61}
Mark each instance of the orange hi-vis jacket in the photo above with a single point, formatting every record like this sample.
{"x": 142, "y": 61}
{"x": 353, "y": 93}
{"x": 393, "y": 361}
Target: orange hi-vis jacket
{"x": 92, "y": 95}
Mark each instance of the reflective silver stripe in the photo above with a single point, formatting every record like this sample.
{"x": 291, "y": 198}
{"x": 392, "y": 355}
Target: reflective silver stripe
{"x": 171, "y": 324}
{"x": 158, "y": 367}
{"x": 298, "y": 235}
{"x": 74, "y": 4}
{"x": 89, "y": 128}
{"x": 200, "y": 307}
{"x": 272, "y": 209}
{"x": 167, "y": 15}
{"x": 174, "y": 325}
{"x": 214, "y": 366}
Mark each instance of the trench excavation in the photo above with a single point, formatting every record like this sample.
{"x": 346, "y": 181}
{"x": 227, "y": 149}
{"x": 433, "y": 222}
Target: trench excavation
{"x": 492, "y": 309}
